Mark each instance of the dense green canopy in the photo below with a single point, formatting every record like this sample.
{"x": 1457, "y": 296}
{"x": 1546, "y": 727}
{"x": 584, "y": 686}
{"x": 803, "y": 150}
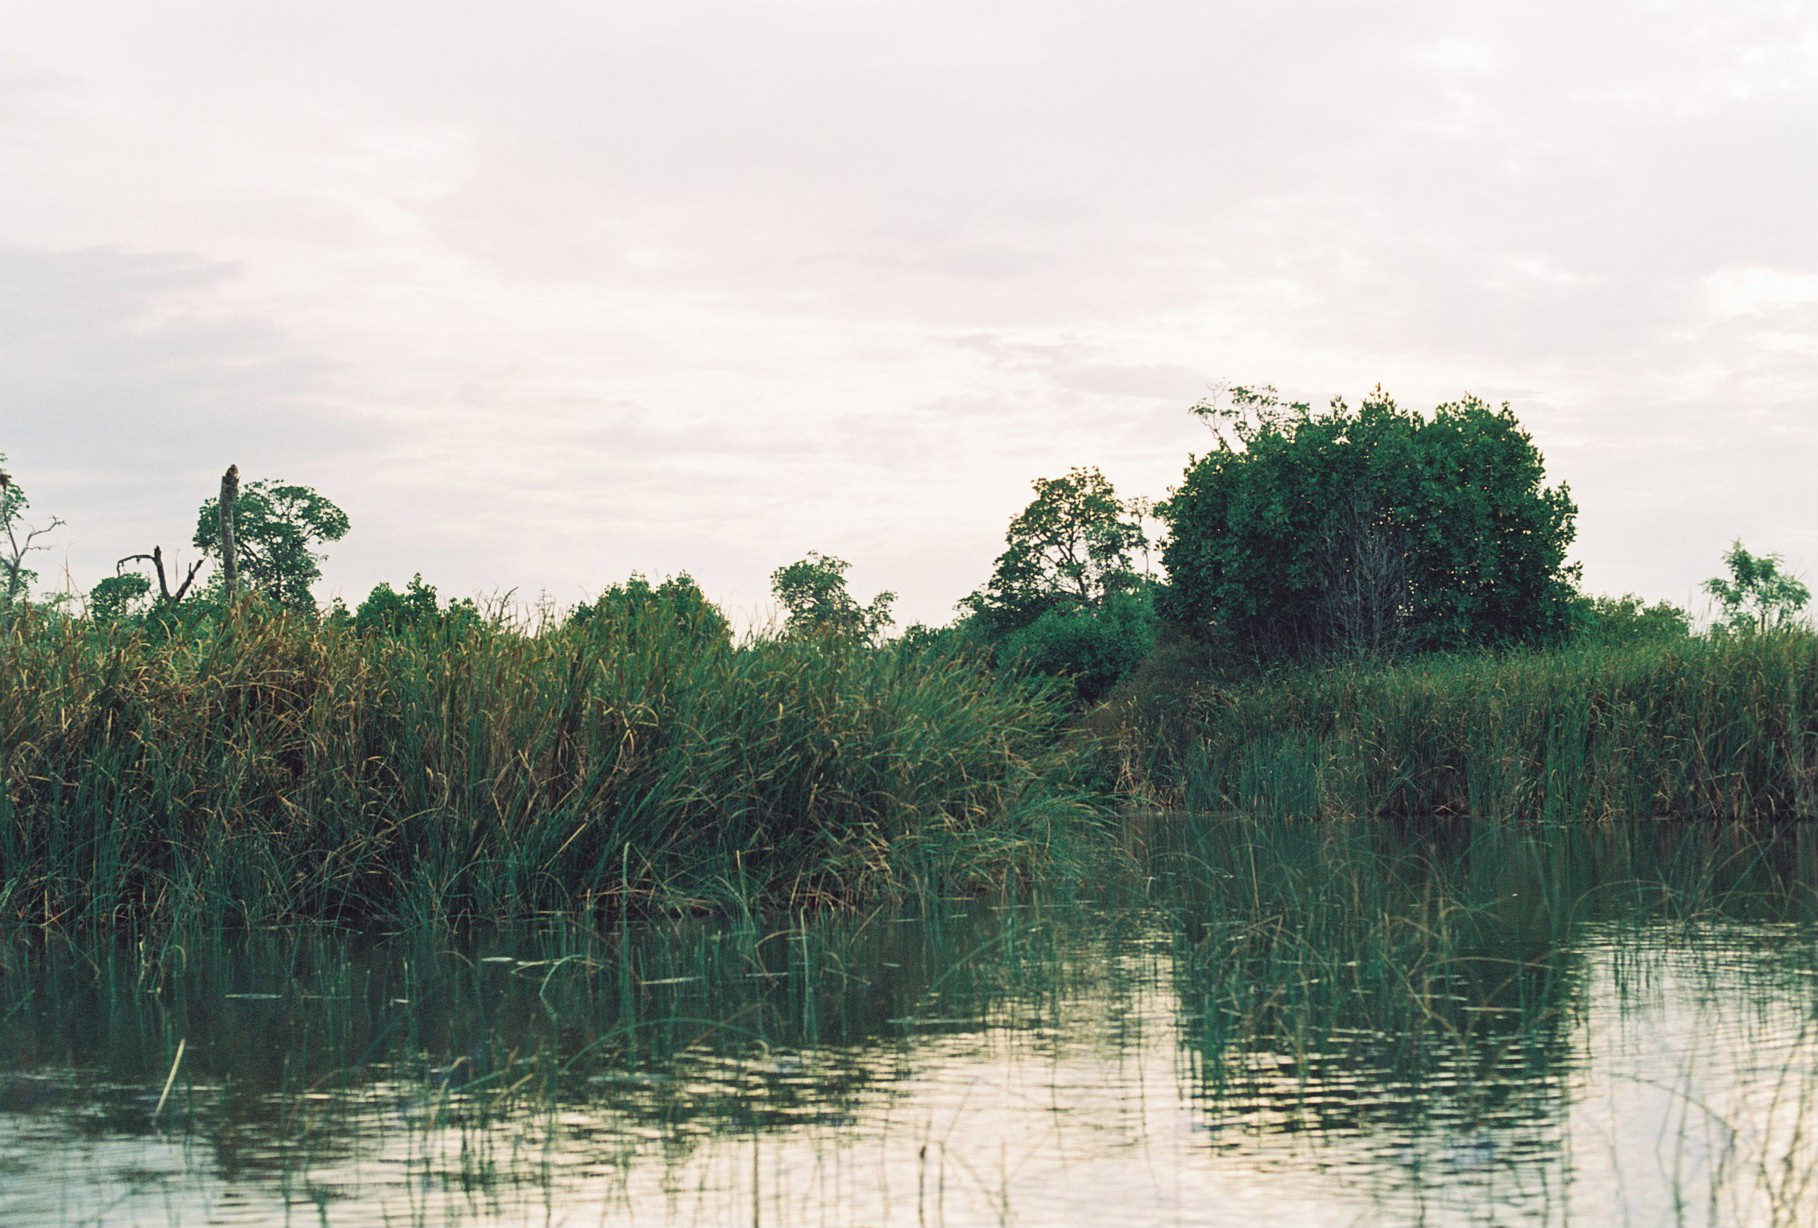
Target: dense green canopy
{"x": 1372, "y": 529}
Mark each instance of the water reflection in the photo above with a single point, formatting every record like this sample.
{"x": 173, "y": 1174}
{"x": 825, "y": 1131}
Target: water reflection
{"x": 1320, "y": 1024}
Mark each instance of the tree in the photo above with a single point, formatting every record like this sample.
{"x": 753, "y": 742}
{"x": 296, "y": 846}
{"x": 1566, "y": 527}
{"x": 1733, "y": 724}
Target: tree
{"x": 637, "y": 608}
{"x": 275, "y": 526}
{"x": 17, "y": 540}
{"x": 812, "y": 592}
{"x": 390, "y": 612}
{"x": 1758, "y": 595}
{"x": 1070, "y": 549}
{"x": 1372, "y": 529}
{"x": 117, "y": 596}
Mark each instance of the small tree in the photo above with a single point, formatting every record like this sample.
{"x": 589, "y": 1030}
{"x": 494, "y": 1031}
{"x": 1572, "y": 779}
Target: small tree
{"x": 388, "y": 611}
{"x": 637, "y": 608}
{"x": 1071, "y": 548}
{"x": 1758, "y": 596}
{"x": 117, "y": 596}
{"x": 275, "y": 526}
{"x": 17, "y": 541}
{"x": 1093, "y": 649}
{"x": 812, "y": 592}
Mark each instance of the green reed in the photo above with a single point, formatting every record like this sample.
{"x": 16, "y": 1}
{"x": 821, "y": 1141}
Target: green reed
{"x": 1412, "y": 983}
{"x": 1440, "y": 953}
{"x": 1723, "y": 727}
{"x": 271, "y": 767}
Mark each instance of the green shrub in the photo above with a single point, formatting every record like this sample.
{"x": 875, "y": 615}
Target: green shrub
{"x": 1092, "y": 648}
{"x": 1610, "y": 621}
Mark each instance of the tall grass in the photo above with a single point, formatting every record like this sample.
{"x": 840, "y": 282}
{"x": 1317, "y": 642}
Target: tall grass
{"x": 1446, "y": 953}
{"x": 268, "y": 767}
{"x": 1720, "y": 727}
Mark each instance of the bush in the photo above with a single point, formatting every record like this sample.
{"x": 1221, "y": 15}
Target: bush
{"x": 1093, "y": 648}
{"x": 1626, "y": 620}
{"x": 636, "y": 609}
{"x": 389, "y": 612}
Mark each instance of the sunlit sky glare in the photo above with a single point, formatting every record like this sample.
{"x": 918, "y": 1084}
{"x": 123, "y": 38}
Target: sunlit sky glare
{"x": 543, "y": 294}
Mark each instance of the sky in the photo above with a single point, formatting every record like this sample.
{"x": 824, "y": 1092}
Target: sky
{"x": 546, "y": 294}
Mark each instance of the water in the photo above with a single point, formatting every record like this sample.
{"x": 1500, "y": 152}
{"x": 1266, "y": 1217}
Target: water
{"x": 1268, "y": 1023}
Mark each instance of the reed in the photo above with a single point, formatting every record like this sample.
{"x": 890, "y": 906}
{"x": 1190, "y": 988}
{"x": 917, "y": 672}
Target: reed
{"x": 268, "y": 767}
{"x": 1707, "y": 727}
{"x": 1435, "y": 954}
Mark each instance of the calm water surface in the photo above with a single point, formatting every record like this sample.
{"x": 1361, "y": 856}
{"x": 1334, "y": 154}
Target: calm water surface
{"x": 1269, "y": 1024}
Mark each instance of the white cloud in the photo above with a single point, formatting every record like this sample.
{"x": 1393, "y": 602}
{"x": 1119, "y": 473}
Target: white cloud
{"x": 545, "y": 295}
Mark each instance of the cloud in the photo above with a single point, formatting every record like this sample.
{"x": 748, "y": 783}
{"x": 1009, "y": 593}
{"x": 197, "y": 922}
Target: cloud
{"x": 544, "y": 297}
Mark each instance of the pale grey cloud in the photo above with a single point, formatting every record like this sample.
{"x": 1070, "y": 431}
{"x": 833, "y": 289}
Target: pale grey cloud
{"x": 548, "y": 294}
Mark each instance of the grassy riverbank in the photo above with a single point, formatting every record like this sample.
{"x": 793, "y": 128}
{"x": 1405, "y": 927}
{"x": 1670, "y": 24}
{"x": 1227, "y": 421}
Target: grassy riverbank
{"x": 267, "y": 767}
{"x": 1695, "y": 727}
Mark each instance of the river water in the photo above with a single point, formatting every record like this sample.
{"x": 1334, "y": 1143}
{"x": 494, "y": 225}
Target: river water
{"x": 1265, "y": 1023}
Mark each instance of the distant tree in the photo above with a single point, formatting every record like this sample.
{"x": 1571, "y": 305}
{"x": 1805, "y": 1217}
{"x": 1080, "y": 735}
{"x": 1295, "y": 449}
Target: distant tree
{"x": 388, "y": 611}
{"x": 637, "y": 607}
{"x": 1065, "y": 597}
{"x": 1371, "y": 529}
{"x": 1758, "y": 595}
{"x": 1627, "y": 620}
{"x": 117, "y": 596}
{"x": 17, "y": 541}
{"x": 812, "y": 592}
{"x": 276, "y": 526}
{"x": 1071, "y": 548}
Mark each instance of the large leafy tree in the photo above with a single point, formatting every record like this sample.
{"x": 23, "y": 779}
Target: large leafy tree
{"x": 815, "y": 601}
{"x": 1070, "y": 549}
{"x": 1757, "y": 595}
{"x": 1371, "y": 529}
{"x": 276, "y": 529}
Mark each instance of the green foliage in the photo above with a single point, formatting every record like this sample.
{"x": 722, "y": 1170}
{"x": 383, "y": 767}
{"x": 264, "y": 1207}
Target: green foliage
{"x": 1626, "y": 620}
{"x": 1065, "y": 598}
{"x": 278, "y": 766}
{"x": 387, "y": 611}
{"x": 117, "y": 596}
{"x": 1694, "y": 727}
{"x": 1067, "y": 551}
{"x": 1092, "y": 647}
{"x": 1368, "y": 531}
{"x": 964, "y": 635}
{"x": 276, "y": 527}
{"x": 812, "y": 592}
{"x": 636, "y": 608}
{"x": 1758, "y": 596}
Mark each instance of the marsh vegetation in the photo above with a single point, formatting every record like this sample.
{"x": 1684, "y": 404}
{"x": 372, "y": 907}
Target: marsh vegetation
{"x": 1318, "y": 1022}
{"x": 1358, "y": 867}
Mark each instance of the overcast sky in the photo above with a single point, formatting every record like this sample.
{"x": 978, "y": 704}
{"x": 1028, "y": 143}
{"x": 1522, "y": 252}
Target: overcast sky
{"x": 546, "y": 293}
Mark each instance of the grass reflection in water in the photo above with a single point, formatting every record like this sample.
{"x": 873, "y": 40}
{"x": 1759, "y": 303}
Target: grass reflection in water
{"x": 1319, "y": 1022}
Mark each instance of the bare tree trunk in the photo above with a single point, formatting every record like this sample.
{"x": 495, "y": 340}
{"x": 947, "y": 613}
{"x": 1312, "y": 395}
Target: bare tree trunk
{"x": 1363, "y": 586}
{"x": 156, "y": 558}
{"x": 230, "y": 490}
